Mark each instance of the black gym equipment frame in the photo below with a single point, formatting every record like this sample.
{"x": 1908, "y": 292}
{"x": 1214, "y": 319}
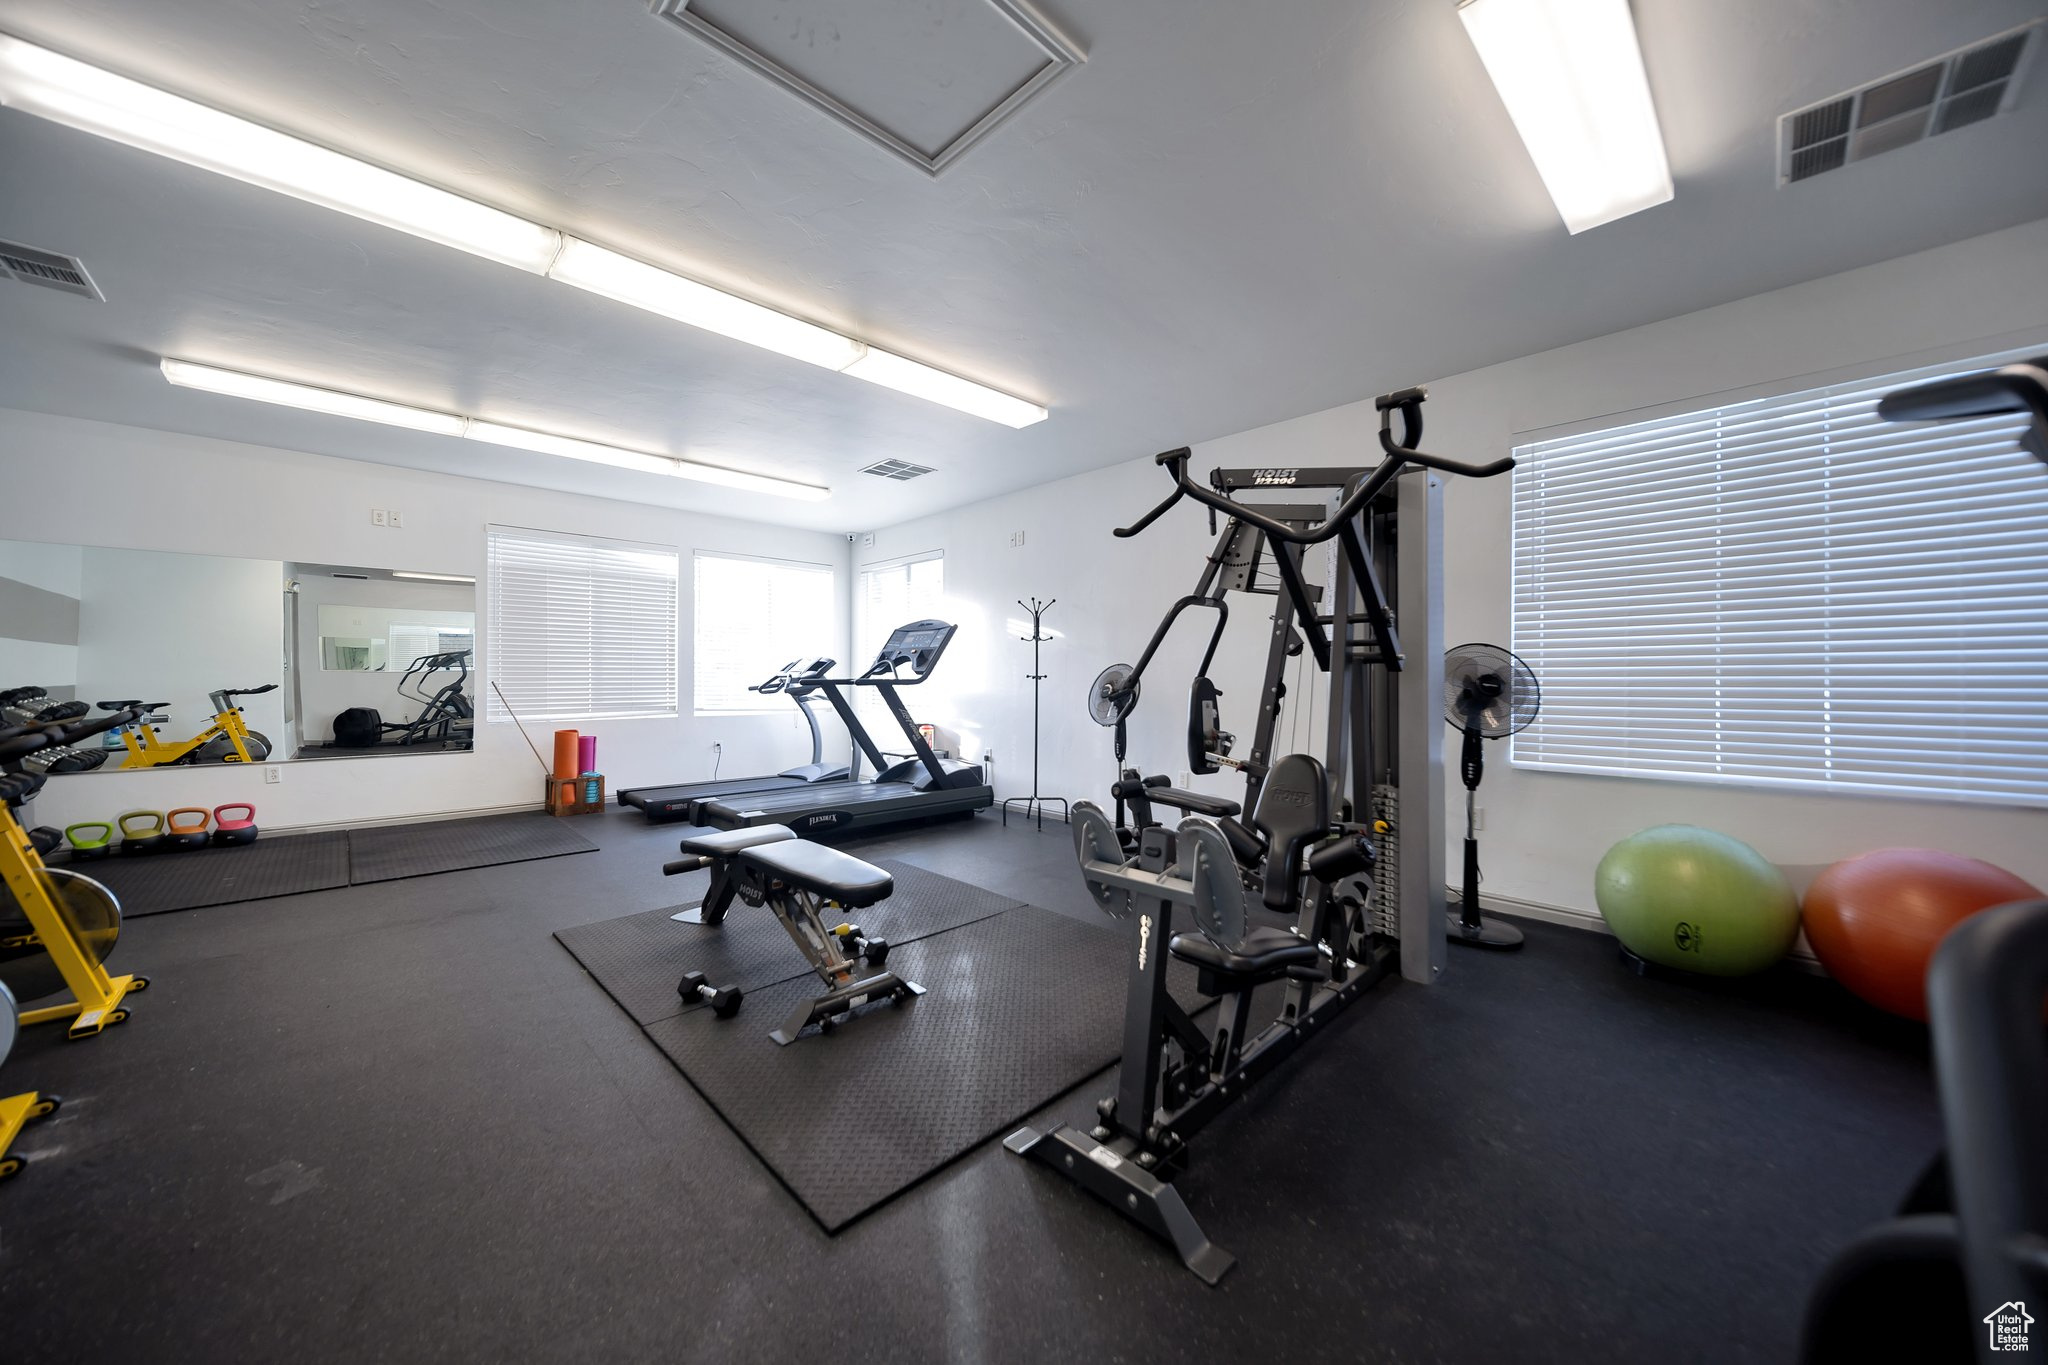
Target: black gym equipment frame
{"x": 798, "y": 681}
{"x": 920, "y": 787}
{"x": 1374, "y": 801}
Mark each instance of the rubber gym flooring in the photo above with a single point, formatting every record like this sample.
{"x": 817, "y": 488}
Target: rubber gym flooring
{"x": 399, "y": 1122}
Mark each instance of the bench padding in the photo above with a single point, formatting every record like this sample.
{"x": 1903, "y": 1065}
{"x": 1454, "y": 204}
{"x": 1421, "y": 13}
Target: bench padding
{"x": 820, "y": 870}
{"x": 719, "y": 843}
{"x": 1263, "y": 953}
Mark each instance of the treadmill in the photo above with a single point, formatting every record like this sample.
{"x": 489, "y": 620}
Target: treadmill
{"x": 917, "y": 788}
{"x": 795, "y": 678}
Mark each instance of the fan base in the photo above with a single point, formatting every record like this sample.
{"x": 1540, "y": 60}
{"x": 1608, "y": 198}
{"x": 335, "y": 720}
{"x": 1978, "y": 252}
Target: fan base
{"x": 1488, "y": 933}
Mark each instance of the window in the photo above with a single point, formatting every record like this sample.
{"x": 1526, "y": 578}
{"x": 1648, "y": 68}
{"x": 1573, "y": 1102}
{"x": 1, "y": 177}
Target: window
{"x": 581, "y": 628}
{"x": 892, "y": 594}
{"x": 753, "y": 616}
{"x": 1786, "y": 591}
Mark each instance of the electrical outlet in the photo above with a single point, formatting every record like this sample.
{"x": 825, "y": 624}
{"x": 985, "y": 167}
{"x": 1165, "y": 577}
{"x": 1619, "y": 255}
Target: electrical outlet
{"x": 270, "y": 776}
{"x": 1187, "y": 779}
{"x": 397, "y": 517}
{"x": 379, "y": 517}
{"x": 1016, "y": 539}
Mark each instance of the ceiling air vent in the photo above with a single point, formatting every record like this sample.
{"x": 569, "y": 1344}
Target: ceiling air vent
{"x": 48, "y": 269}
{"x": 897, "y": 469}
{"x": 1949, "y": 92}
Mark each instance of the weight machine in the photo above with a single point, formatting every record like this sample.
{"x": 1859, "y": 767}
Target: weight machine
{"x": 1344, "y": 846}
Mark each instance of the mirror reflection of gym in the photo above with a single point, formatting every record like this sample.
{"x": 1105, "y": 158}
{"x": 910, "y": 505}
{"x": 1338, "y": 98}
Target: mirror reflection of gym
{"x": 230, "y": 656}
{"x": 381, "y": 660}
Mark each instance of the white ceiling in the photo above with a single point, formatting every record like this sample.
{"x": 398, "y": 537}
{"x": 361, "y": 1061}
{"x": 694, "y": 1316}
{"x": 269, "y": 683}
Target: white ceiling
{"x": 1230, "y": 215}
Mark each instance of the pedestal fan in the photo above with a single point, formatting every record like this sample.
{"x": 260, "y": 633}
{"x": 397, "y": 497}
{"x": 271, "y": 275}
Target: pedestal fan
{"x": 1110, "y": 699}
{"x": 1488, "y": 694}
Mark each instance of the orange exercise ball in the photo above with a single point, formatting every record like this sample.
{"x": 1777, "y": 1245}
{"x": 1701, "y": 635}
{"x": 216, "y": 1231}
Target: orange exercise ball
{"x": 1875, "y": 920}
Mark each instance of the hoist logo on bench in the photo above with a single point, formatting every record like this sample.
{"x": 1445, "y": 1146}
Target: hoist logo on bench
{"x": 826, "y": 819}
{"x": 1275, "y": 476}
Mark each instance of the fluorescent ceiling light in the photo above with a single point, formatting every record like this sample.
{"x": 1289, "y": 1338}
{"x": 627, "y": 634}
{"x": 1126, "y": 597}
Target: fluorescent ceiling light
{"x": 235, "y": 384}
{"x": 569, "y": 448}
{"x": 64, "y": 90}
{"x": 1571, "y": 75}
{"x": 41, "y": 82}
{"x": 599, "y": 453}
{"x": 239, "y": 385}
{"x": 606, "y": 272}
{"x": 434, "y": 577}
{"x": 908, "y": 376}
{"x": 756, "y": 483}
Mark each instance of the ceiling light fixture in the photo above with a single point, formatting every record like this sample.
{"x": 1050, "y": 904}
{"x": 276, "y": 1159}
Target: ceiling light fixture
{"x": 78, "y": 95}
{"x": 1571, "y": 75}
{"x": 38, "y": 81}
{"x": 922, "y": 381}
{"x": 433, "y": 577}
{"x": 236, "y": 384}
{"x": 603, "y": 271}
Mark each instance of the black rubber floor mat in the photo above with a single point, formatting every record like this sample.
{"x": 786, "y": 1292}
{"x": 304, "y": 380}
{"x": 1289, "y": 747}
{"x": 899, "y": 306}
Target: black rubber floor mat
{"x": 275, "y": 865}
{"x": 1017, "y": 1009}
{"x": 388, "y": 852}
{"x": 638, "y": 959}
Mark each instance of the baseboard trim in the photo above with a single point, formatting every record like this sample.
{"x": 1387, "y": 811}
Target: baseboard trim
{"x": 424, "y": 817}
{"x": 1515, "y": 907}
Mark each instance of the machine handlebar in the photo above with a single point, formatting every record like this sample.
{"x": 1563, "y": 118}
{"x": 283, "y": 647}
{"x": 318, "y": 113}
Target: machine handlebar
{"x": 2020, "y": 387}
{"x": 1407, "y": 402}
{"x": 21, "y": 741}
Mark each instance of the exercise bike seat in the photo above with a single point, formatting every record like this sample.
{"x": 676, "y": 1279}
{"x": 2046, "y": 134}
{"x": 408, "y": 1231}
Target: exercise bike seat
{"x": 720, "y": 843}
{"x": 820, "y": 870}
{"x": 248, "y": 691}
{"x": 125, "y": 703}
{"x": 1264, "y": 953}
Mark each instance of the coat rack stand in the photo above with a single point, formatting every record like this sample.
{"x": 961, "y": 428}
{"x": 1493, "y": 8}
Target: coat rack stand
{"x": 1035, "y": 804}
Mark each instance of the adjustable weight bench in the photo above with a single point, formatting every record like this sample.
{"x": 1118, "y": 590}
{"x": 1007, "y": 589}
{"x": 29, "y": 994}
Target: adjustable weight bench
{"x": 798, "y": 881}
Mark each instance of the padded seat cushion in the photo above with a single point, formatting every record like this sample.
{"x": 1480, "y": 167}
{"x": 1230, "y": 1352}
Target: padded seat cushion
{"x": 1195, "y": 803}
{"x": 1264, "y": 952}
{"x": 821, "y": 870}
{"x": 717, "y": 843}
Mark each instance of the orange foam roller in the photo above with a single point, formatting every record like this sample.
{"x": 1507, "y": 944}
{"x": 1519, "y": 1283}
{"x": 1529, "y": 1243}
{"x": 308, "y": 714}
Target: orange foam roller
{"x": 565, "y": 754}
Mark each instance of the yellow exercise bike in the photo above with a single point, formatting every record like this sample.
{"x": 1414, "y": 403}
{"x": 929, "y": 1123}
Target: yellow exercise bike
{"x": 56, "y": 927}
{"x": 227, "y": 739}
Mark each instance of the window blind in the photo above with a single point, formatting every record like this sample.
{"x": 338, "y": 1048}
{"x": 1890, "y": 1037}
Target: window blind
{"x": 581, "y": 628}
{"x": 753, "y": 616}
{"x": 1786, "y": 591}
{"x": 891, "y": 595}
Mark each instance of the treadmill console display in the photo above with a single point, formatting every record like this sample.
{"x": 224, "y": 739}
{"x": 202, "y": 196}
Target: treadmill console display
{"x": 916, "y": 646}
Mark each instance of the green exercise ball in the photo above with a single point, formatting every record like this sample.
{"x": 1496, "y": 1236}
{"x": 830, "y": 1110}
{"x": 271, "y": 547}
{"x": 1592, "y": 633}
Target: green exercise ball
{"x": 1686, "y": 897}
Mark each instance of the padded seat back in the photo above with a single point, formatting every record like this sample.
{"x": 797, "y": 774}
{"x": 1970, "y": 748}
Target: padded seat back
{"x": 820, "y": 870}
{"x": 1293, "y": 812}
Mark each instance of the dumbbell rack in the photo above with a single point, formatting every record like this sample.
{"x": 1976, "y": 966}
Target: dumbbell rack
{"x": 1034, "y": 803}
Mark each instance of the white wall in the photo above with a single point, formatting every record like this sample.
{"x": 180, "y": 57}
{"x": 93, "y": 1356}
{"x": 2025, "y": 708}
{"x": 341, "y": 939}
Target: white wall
{"x": 175, "y": 627}
{"x": 48, "y": 664}
{"x": 287, "y": 505}
{"x": 1545, "y": 831}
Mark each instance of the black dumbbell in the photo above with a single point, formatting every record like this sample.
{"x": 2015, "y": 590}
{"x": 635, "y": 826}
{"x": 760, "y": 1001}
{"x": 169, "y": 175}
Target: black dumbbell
{"x": 724, "y": 1000}
{"x": 875, "y": 950}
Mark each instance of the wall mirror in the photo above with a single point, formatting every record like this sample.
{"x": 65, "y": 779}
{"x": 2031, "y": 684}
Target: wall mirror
{"x": 237, "y": 657}
{"x": 381, "y": 660}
